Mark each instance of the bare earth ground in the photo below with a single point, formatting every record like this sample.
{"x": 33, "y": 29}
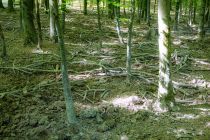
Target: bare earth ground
{"x": 108, "y": 108}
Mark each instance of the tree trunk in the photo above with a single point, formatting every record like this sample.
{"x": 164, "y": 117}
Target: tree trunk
{"x": 39, "y": 44}
{"x": 148, "y": 12}
{"x": 28, "y": 23}
{"x": 129, "y": 43}
{"x": 190, "y": 18}
{"x": 165, "y": 99}
{"x": 1, "y": 4}
{"x": 53, "y": 31}
{"x": 177, "y": 15}
{"x": 202, "y": 19}
{"x": 99, "y": 22}
{"x": 99, "y": 15}
{"x": 63, "y": 12}
{"x": 85, "y": 7}
{"x": 10, "y": 5}
{"x": 110, "y": 9}
{"x": 71, "y": 117}
{"x": 118, "y": 27}
{"x": 4, "y": 51}
{"x": 194, "y": 10}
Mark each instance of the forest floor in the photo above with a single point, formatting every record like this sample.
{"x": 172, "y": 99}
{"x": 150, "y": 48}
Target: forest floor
{"x": 32, "y": 105}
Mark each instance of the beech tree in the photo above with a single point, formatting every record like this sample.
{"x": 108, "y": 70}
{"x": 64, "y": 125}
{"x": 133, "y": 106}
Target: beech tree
{"x": 28, "y": 21}
{"x": 39, "y": 33}
{"x": 4, "y": 51}
{"x": 53, "y": 32}
{"x": 130, "y": 30}
{"x": 71, "y": 117}
{"x": 165, "y": 99}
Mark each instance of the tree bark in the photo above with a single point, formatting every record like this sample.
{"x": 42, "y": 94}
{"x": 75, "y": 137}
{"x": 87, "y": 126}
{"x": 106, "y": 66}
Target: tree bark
{"x": 39, "y": 44}
{"x": 148, "y": 12}
{"x": 71, "y": 117}
{"x": 53, "y": 31}
{"x": 4, "y": 51}
{"x": 202, "y": 19}
{"x": 63, "y": 13}
{"x": 10, "y": 5}
{"x": 177, "y": 15}
{"x": 129, "y": 43}
{"x": 28, "y": 23}
{"x": 1, "y": 4}
{"x": 165, "y": 99}
{"x": 85, "y": 7}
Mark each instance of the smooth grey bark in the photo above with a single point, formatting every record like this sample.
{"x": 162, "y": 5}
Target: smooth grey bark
{"x": 190, "y": 15}
{"x": 4, "y": 51}
{"x": 129, "y": 42}
{"x": 53, "y": 31}
{"x": 165, "y": 99}
{"x": 39, "y": 33}
{"x": 71, "y": 117}
{"x": 118, "y": 27}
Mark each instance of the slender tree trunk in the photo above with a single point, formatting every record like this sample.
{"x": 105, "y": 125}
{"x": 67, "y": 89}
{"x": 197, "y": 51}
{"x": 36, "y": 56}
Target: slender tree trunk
{"x": 63, "y": 12}
{"x": 129, "y": 42}
{"x": 177, "y": 15}
{"x": 4, "y": 51}
{"x": 39, "y": 44}
{"x": 190, "y": 12}
{"x": 10, "y": 5}
{"x": 28, "y": 22}
{"x": 165, "y": 92}
{"x": 99, "y": 22}
{"x": 71, "y": 117}
{"x": 85, "y": 7}
{"x": 202, "y": 19}
{"x": 194, "y": 10}
{"x": 1, "y": 4}
{"x": 118, "y": 28}
{"x": 53, "y": 31}
{"x": 148, "y": 12}
{"x": 110, "y": 9}
{"x": 138, "y": 11}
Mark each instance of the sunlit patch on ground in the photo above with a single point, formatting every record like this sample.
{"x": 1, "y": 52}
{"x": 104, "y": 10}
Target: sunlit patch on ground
{"x": 132, "y": 103}
{"x": 208, "y": 124}
{"x": 186, "y": 116}
{"x": 184, "y": 133}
